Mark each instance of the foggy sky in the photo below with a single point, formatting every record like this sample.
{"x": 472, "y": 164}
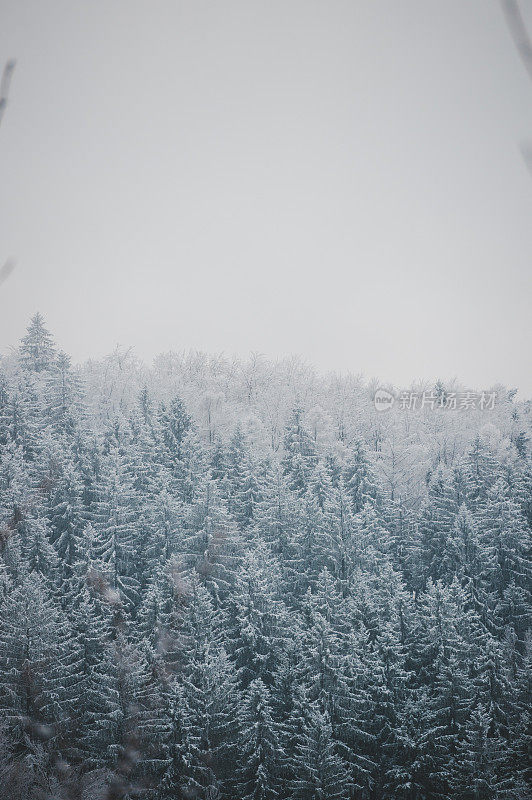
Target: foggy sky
{"x": 336, "y": 179}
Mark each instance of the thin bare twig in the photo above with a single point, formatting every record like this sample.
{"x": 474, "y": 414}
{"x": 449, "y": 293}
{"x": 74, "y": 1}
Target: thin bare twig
{"x": 6, "y": 270}
{"x": 517, "y": 27}
{"x": 526, "y": 152}
{"x": 9, "y": 266}
{"x": 523, "y": 44}
{"x": 4, "y": 85}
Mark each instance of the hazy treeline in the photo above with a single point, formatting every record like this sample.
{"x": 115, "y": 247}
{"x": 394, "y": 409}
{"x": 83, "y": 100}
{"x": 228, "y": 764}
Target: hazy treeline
{"x": 239, "y": 580}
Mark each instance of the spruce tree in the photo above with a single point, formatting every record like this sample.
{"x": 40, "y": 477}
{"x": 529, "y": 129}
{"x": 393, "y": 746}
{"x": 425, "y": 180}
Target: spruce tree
{"x": 319, "y": 772}
{"x": 259, "y": 777}
{"x": 37, "y": 349}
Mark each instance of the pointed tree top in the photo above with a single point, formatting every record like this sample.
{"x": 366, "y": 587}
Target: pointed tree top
{"x": 37, "y": 348}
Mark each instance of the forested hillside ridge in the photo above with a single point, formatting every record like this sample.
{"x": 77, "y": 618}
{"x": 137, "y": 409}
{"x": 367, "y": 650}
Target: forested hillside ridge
{"x": 238, "y": 580}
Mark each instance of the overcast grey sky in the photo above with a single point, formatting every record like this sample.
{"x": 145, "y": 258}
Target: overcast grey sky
{"x": 336, "y": 179}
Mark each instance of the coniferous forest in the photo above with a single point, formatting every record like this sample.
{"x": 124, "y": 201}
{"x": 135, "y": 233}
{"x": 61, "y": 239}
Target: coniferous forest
{"x": 239, "y": 580}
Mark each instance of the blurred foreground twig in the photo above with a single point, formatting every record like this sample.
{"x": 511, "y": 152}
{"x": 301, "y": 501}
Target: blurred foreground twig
{"x": 4, "y": 85}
